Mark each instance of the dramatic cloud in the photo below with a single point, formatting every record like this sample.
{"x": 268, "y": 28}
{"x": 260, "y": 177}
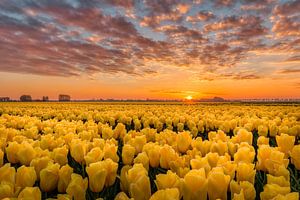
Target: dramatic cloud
{"x": 76, "y": 37}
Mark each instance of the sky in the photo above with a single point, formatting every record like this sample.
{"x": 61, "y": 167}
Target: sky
{"x": 157, "y": 49}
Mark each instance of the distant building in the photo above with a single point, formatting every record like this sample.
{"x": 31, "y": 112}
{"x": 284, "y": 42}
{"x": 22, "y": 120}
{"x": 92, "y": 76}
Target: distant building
{"x": 25, "y": 98}
{"x": 4, "y": 99}
{"x": 45, "y": 98}
{"x": 64, "y": 97}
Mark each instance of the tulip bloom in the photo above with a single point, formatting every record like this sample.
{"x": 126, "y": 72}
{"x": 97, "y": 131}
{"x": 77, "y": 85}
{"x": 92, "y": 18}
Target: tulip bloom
{"x": 167, "y": 194}
{"x": 195, "y": 185}
{"x": 217, "y": 184}
{"x": 245, "y": 172}
{"x": 139, "y": 183}
{"x": 49, "y": 177}
{"x": 77, "y": 187}
{"x": 128, "y": 152}
{"x": 60, "y": 155}
{"x": 64, "y": 178}
{"x": 245, "y": 186}
{"x": 7, "y": 174}
{"x": 95, "y": 155}
{"x": 296, "y": 156}
{"x": 143, "y": 159}
{"x": 244, "y": 155}
{"x": 6, "y": 190}
{"x": 25, "y": 177}
{"x": 184, "y": 140}
{"x": 285, "y": 143}
{"x": 26, "y": 153}
{"x": 33, "y": 192}
{"x": 169, "y": 180}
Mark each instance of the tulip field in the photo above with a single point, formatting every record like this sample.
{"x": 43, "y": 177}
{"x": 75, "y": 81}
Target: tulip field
{"x": 156, "y": 151}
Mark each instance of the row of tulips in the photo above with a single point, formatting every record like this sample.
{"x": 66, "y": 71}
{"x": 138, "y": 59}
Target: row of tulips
{"x": 76, "y": 160}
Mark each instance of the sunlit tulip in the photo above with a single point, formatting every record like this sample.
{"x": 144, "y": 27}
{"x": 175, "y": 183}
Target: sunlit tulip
{"x": 107, "y": 133}
{"x": 139, "y": 183}
{"x": 138, "y": 142}
{"x": 195, "y": 185}
{"x": 101, "y": 173}
{"x": 184, "y": 140}
{"x": 262, "y": 130}
{"x": 244, "y": 136}
{"x": 25, "y": 177}
{"x": 245, "y": 172}
{"x": 121, "y": 196}
{"x": 78, "y": 150}
{"x": 77, "y": 187}
{"x": 39, "y": 164}
{"x": 200, "y": 162}
{"x": 262, "y": 141}
{"x": 12, "y": 152}
{"x": 26, "y": 153}
{"x": 169, "y": 180}
{"x": 245, "y": 186}
{"x": 123, "y": 178}
{"x": 263, "y": 154}
{"x": 33, "y": 192}
{"x": 6, "y": 190}
{"x": 95, "y": 155}
{"x": 154, "y": 156}
{"x": 7, "y": 174}
{"x": 272, "y": 190}
{"x": 278, "y": 180}
{"x": 285, "y": 143}
{"x": 128, "y": 152}
{"x": 110, "y": 151}
{"x": 60, "y": 155}
{"x": 64, "y": 178}
{"x": 213, "y": 159}
{"x": 239, "y": 196}
{"x": 167, "y": 154}
{"x": 49, "y": 177}
{"x": 167, "y": 194}
{"x": 244, "y": 155}
{"x": 289, "y": 196}
{"x": 219, "y": 147}
{"x": 217, "y": 184}
{"x": 143, "y": 159}
{"x": 295, "y": 155}
{"x": 275, "y": 161}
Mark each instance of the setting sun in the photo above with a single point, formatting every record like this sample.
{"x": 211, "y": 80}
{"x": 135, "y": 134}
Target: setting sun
{"x": 189, "y": 97}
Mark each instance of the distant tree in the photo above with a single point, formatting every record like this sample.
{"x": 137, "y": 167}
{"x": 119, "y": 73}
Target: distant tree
{"x": 25, "y": 98}
{"x": 64, "y": 97}
{"x": 45, "y": 98}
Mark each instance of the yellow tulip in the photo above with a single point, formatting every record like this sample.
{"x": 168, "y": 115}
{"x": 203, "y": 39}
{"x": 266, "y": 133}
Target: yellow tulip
{"x": 78, "y": 150}
{"x": 262, "y": 130}
{"x": 184, "y": 140}
{"x": 101, "y": 173}
{"x": 110, "y": 151}
{"x": 167, "y": 154}
{"x": 33, "y": 192}
{"x": 49, "y": 177}
{"x": 245, "y": 172}
{"x": 262, "y": 141}
{"x": 107, "y": 133}
{"x": 263, "y": 154}
{"x": 25, "y": 177}
{"x": 95, "y": 155}
{"x": 139, "y": 183}
{"x": 6, "y": 190}
{"x": 248, "y": 189}
{"x": 63, "y": 197}
{"x": 39, "y": 164}
{"x": 289, "y": 196}
{"x": 12, "y": 152}
{"x": 26, "y": 153}
{"x": 121, "y": 196}
{"x": 167, "y": 194}
{"x": 217, "y": 184}
{"x": 195, "y": 185}
{"x": 64, "y": 178}
{"x": 285, "y": 143}
{"x": 272, "y": 190}
{"x": 281, "y": 181}
{"x": 123, "y": 178}
{"x": 154, "y": 156}
{"x": 7, "y": 174}
{"x": 169, "y": 180}
{"x": 143, "y": 159}
{"x": 200, "y": 162}
{"x": 244, "y": 136}
{"x": 275, "y": 161}
{"x": 212, "y": 159}
{"x": 60, "y": 155}
{"x": 244, "y": 155}
{"x": 239, "y": 196}
{"x": 295, "y": 155}
{"x": 219, "y": 147}
{"x": 77, "y": 187}
{"x": 128, "y": 152}
{"x": 138, "y": 142}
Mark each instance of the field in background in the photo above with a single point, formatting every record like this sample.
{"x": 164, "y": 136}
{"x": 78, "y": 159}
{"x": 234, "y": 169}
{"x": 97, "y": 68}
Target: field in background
{"x": 150, "y": 150}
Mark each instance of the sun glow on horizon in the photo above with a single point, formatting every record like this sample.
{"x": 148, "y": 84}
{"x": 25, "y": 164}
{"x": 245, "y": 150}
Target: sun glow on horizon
{"x": 189, "y": 97}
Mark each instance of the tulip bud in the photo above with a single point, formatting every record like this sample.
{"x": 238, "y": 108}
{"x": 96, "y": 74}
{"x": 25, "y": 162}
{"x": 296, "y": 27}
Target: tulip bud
{"x": 77, "y": 187}
{"x": 184, "y": 140}
{"x": 143, "y": 159}
{"x": 6, "y": 190}
{"x": 49, "y": 177}
{"x": 95, "y": 155}
{"x": 33, "y": 192}
{"x": 217, "y": 184}
{"x": 7, "y": 174}
{"x": 60, "y": 155}
{"x": 25, "y": 177}
{"x": 195, "y": 185}
{"x": 128, "y": 154}
{"x": 64, "y": 178}
{"x": 167, "y": 194}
